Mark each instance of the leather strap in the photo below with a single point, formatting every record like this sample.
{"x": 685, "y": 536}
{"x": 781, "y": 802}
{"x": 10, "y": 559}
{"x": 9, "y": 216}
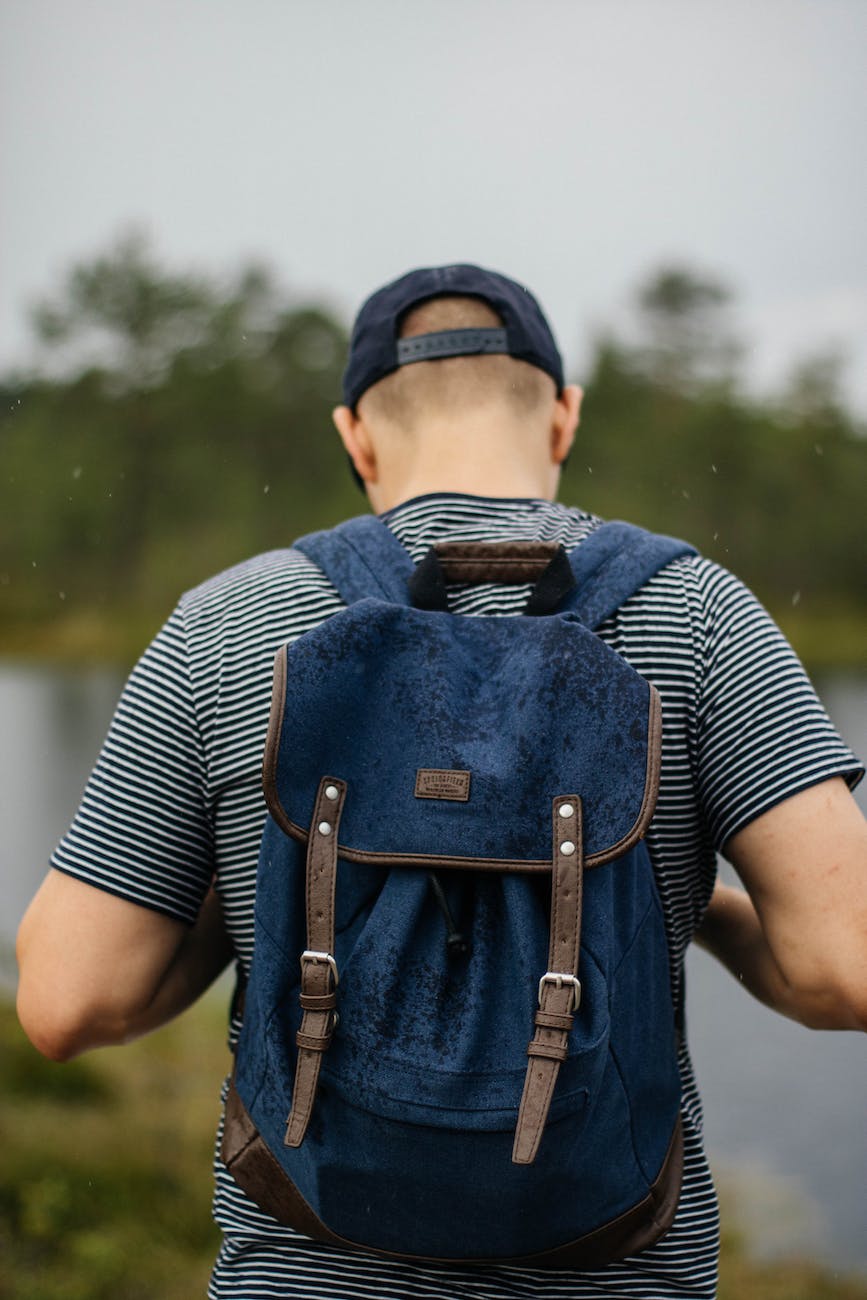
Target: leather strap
{"x": 559, "y": 990}
{"x": 318, "y": 967}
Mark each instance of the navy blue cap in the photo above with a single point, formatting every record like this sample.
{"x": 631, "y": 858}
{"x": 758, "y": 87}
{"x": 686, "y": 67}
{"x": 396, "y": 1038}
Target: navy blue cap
{"x": 375, "y": 350}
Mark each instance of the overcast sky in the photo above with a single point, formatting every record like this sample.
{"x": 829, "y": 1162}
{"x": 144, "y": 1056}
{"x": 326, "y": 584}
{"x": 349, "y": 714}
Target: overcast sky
{"x": 574, "y": 144}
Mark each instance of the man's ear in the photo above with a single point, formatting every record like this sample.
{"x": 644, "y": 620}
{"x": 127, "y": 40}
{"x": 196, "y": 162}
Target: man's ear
{"x": 567, "y": 412}
{"x": 356, "y": 439}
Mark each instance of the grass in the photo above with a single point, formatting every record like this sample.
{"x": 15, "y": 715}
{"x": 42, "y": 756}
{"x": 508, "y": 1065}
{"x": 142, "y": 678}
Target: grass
{"x": 105, "y": 1180}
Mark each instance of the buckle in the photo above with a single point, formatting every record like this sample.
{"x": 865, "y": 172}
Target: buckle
{"x": 310, "y": 955}
{"x": 558, "y": 980}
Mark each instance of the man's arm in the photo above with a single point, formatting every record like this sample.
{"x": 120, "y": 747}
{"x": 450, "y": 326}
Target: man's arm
{"x": 798, "y": 938}
{"x": 96, "y": 969}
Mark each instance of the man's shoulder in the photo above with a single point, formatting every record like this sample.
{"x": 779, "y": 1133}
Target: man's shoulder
{"x": 270, "y": 569}
{"x": 274, "y": 587}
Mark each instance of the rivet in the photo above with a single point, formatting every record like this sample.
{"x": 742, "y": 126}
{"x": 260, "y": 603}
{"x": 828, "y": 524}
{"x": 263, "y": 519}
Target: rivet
{"x": 331, "y": 792}
{"x": 566, "y": 810}
{"x": 567, "y": 848}
{"x": 325, "y": 829}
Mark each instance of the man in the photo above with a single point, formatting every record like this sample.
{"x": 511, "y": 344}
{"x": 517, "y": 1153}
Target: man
{"x": 456, "y": 433}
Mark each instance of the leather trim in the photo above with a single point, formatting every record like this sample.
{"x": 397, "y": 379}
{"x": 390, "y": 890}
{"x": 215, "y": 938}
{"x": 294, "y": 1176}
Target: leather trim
{"x": 264, "y": 1180}
{"x": 433, "y": 861}
{"x": 254, "y": 1169}
{"x": 275, "y": 728}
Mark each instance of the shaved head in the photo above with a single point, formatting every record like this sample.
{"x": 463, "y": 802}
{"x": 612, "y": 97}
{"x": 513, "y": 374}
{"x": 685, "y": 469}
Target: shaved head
{"x": 452, "y": 386}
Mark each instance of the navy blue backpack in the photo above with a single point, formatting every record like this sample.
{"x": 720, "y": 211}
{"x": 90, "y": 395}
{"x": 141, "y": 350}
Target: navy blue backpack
{"x": 452, "y": 869}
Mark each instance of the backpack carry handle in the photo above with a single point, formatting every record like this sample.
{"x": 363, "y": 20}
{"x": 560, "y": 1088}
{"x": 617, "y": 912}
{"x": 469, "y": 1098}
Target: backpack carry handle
{"x": 544, "y": 563}
{"x": 363, "y": 558}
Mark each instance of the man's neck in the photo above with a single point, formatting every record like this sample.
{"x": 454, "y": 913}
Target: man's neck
{"x": 491, "y": 473}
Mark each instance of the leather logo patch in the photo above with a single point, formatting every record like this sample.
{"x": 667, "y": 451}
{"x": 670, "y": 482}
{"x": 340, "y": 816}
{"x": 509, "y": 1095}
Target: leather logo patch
{"x": 442, "y": 783}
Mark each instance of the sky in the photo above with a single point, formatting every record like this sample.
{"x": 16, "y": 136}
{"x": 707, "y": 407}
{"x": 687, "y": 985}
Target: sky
{"x": 576, "y": 145}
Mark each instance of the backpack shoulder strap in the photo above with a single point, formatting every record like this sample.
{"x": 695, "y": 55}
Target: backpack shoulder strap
{"x": 612, "y": 563}
{"x": 361, "y": 557}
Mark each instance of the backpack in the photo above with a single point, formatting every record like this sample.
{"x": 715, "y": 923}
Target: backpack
{"x": 453, "y": 867}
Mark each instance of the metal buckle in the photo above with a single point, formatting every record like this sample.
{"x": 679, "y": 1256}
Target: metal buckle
{"x": 310, "y": 955}
{"x": 558, "y": 980}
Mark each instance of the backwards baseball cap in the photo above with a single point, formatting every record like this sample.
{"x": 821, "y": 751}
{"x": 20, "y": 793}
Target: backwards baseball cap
{"x": 375, "y": 349}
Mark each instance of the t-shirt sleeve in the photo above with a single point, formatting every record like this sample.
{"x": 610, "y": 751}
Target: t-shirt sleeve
{"x": 762, "y": 734}
{"x": 143, "y": 829}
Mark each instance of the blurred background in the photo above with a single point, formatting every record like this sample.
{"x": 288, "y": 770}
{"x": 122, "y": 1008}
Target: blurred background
{"x": 194, "y": 199}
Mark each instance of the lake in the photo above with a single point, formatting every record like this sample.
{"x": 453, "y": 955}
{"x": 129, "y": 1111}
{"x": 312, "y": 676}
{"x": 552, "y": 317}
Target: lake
{"x": 786, "y": 1117}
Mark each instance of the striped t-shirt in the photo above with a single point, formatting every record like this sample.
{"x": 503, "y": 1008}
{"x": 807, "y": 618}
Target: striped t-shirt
{"x": 176, "y": 797}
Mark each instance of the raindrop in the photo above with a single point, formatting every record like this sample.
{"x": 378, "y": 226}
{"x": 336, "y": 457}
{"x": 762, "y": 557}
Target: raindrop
{"x": 714, "y": 468}
{"x": 819, "y": 450}
{"x": 589, "y": 469}
{"x": 684, "y": 494}
{"x": 77, "y": 472}
{"x": 796, "y": 597}
{"x": 267, "y": 488}
{"x": 62, "y": 595}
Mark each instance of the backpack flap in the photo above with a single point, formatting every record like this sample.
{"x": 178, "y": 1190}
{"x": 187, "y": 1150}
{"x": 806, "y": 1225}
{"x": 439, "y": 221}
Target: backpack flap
{"x": 422, "y": 716}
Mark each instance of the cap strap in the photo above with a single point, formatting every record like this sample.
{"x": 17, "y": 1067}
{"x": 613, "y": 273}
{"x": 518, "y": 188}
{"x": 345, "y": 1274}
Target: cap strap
{"x": 450, "y": 343}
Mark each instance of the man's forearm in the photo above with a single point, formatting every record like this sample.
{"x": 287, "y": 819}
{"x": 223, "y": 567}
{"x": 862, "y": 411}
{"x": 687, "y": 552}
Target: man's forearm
{"x": 95, "y": 970}
{"x": 203, "y": 955}
{"x": 732, "y": 932}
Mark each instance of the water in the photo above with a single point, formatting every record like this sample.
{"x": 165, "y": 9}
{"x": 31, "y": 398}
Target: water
{"x": 52, "y": 723}
{"x": 785, "y": 1108}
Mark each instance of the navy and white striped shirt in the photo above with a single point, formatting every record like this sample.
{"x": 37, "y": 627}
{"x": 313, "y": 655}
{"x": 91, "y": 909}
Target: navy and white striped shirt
{"x": 176, "y": 796}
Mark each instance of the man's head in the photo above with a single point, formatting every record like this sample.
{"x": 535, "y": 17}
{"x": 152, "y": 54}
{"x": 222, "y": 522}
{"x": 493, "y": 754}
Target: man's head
{"x": 454, "y": 382}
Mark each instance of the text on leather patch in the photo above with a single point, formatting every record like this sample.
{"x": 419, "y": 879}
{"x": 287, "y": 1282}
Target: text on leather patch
{"x": 442, "y": 783}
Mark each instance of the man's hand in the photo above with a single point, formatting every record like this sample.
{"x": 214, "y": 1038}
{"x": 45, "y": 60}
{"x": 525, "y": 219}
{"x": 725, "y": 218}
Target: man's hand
{"x": 96, "y": 969}
{"x": 798, "y": 938}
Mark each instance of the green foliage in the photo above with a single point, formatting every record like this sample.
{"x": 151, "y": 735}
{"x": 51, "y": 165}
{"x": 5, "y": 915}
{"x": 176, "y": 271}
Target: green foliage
{"x": 105, "y": 1183}
{"x": 204, "y": 435}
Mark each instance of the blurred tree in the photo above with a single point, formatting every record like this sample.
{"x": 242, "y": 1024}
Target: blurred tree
{"x": 687, "y": 342}
{"x": 772, "y": 489}
{"x": 195, "y": 440}
{"x": 179, "y": 423}
{"x": 127, "y": 307}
